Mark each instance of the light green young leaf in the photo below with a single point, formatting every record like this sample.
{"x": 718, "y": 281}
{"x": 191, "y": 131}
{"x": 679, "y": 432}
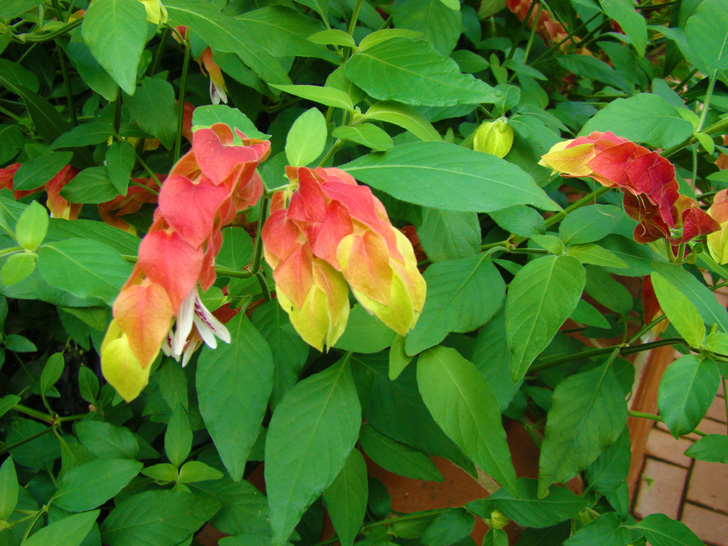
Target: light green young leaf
{"x": 91, "y": 484}
{"x": 463, "y": 404}
{"x": 540, "y": 298}
{"x": 196, "y": 471}
{"x": 88, "y": 384}
{"x": 163, "y": 472}
{"x": 8, "y": 489}
{"x": 587, "y": 415}
{"x": 404, "y": 116}
{"x": 116, "y": 32}
{"x": 679, "y": 310}
{"x": 397, "y": 457}
{"x": 346, "y": 498}
{"x": 17, "y": 267}
{"x": 686, "y": 391}
{"x": 234, "y": 383}
{"x": 365, "y": 134}
{"x": 70, "y": 531}
{"x": 440, "y": 24}
{"x": 306, "y": 138}
{"x": 323, "y": 95}
{"x": 310, "y": 436}
{"x": 333, "y": 36}
{"x": 178, "y": 438}
{"x": 379, "y": 36}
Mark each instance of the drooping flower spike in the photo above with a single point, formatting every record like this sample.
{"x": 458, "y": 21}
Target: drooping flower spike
{"x": 328, "y": 235}
{"x": 159, "y": 306}
{"x": 647, "y": 180}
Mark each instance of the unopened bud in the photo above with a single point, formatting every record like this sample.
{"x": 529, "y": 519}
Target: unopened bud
{"x": 497, "y": 520}
{"x": 494, "y": 137}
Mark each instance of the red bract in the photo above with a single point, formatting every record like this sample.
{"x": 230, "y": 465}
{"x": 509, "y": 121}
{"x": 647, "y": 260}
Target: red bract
{"x": 646, "y": 178}
{"x": 135, "y": 197}
{"x": 205, "y": 190}
{"x": 334, "y": 232}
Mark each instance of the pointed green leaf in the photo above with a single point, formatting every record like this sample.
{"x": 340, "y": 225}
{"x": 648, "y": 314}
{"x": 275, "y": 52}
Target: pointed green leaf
{"x": 404, "y": 116}
{"x": 234, "y": 383}
{"x": 630, "y": 20}
{"x": 87, "y": 134}
{"x": 365, "y": 134}
{"x": 679, "y": 310}
{"x": 91, "y": 185}
{"x": 70, "y": 531}
{"x": 91, "y": 484}
{"x": 346, "y": 498}
{"x": 196, "y": 471}
{"x": 107, "y": 441}
{"x": 606, "y": 530}
{"x": 446, "y": 176}
{"x": 116, "y": 32}
{"x": 707, "y": 34}
{"x": 178, "y": 438}
{"x": 463, "y": 404}
{"x": 119, "y": 164}
{"x": 306, "y": 138}
{"x": 540, "y": 298}
{"x": 8, "y": 489}
{"x": 39, "y": 170}
{"x": 32, "y": 226}
{"x": 439, "y": 24}
{"x": 397, "y": 457}
{"x": 461, "y": 296}
{"x": 18, "y": 267}
{"x": 450, "y": 527}
{"x": 712, "y": 448}
{"x": 660, "y": 530}
{"x": 589, "y": 224}
{"x": 154, "y": 108}
{"x": 610, "y": 469}
{"x": 449, "y": 235}
{"x": 51, "y": 372}
{"x": 310, "y": 436}
{"x": 365, "y": 333}
{"x": 687, "y": 389}
{"x": 323, "y": 95}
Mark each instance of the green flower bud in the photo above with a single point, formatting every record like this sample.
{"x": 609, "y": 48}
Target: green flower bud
{"x": 497, "y": 520}
{"x": 494, "y": 137}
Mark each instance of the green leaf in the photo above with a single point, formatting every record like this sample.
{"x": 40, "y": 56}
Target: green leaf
{"x": 449, "y": 235}
{"x": 606, "y": 530}
{"x": 154, "y": 108}
{"x": 11, "y": 142}
{"x": 595, "y": 69}
{"x": 13, "y": 8}
{"x": 70, "y": 531}
{"x": 8, "y": 489}
{"x": 87, "y": 134}
{"x": 17, "y": 267}
{"x": 33, "y": 453}
{"x": 404, "y": 116}
{"x": 48, "y": 122}
{"x": 234, "y": 383}
{"x": 461, "y": 296}
{"x": 89, "y": 68}
{"x": 237, "y": 249}
{"x": 306, "y": 138}
{"x": 195, "y": 471}
{"x": 414, "y": 73}
{"x": 310, "y": 436}
{"x": 120, "y": 160}
{"x": 91, "y": 185}
{"x": 530, "y": 509}
{"x": 35, "y": 173}
{"x": 594, "y": 254}
{"x": 346, "y": 498}
{"x": 32, "y": 226}
{"x": 364, "y": 333}
{"x": 332, "y": 36}
{"x": 88, "y": 384}
{"x": 540, "y": 298}
{"x": 449, "y": 527}
{"x": 8, "y": 402}
{"x": 679, "y": 310}
{"x": 633, "y": 23}
{"x": 699, "y": 294}
{"x": 463, "y": 404}
{"x": 644, "y": 118}
{"x": 107, "y": 441}
{"x": 178, "y": 438}
{"x": 207, "y": 116}
{"x": 712, "y": 448}
{"x": 244, "y": 509}
{"x": 439, "y": 24}
{"x": 660, "y": 530}
{"x": 365, "y": 134}
{"x": 51, "y": 373}
{"x": 523, "y": 221}
{"x": 328, "y": 96}
{"x": 397, "y": 457}
{"x": 398, "y": 358}
{"x": 687, "y": 389}
{"x": 19, "y": 344}
{"x": 163, "y": 472}
{"x": 707, "y": 34}
{"x": 157, "y": 518}
{"x": 446, "y": 176}
{"x": 119, "y": 240}
{"x": 589, "y": 224}
{"x": 227, "y": 35}
{"x": 587, "y": 415}
{"x": 91, "y": 484}
{"x": 610, "y": 469}
{"x": 116, "y": 32}
{"x": 607, "y": 291}
{"x": 84, "y": 268}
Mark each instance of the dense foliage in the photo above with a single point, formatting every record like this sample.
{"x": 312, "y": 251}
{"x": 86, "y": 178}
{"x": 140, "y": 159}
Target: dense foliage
{"x": 324, "y": 234}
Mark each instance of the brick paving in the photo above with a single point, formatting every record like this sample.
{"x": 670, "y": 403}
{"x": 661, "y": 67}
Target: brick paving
{"x": 695, "y": 492}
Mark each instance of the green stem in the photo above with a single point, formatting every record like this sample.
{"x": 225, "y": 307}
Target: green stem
{"x": 717, "y": 127}
{"x": 646, "y": 329}
{"x": 64, "y": 67}
{"x": 10, "y": 114}
{"x": 26, "y": 440}
{"x": 34, "y": 413}
{"x": 593, "y": 196}
{"x": 12, "y": 249}
{"x": 160, "y": 49}
{"x": 181, "y": 102}
{"x": 651, "y": 417}
{"x": 555, "y": 48}
{"x": 257, "y": 259}
{"x": 32, "y": 524}
{"x": 532, "y": 35}
{"x": 263, "y": 285}
{"x": 523, "y": 24}
{"x": 53, "y": 35}
{"x": 708, "y": 98}
{"x": 354, "y": 17}
{"x": 331, "y": 152}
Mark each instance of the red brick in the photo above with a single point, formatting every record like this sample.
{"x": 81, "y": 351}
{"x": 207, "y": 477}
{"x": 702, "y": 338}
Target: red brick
{"x": 661, "y": 445}
{"x": 708, "y": 485}
{"x": 665, "y": 493}
{"x": 717, "y": 410}
{"x": 710, "y": 526}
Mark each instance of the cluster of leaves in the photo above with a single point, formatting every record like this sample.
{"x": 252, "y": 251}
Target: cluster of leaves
{"x": 94, "y": 105}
